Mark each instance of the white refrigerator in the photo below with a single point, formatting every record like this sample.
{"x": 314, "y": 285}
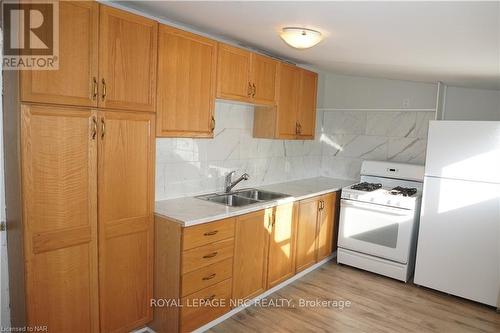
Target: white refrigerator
{"x": 458, "y": 249}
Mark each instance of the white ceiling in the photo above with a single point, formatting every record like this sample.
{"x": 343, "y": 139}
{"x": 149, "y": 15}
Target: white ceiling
{"x": 454, "y": 42}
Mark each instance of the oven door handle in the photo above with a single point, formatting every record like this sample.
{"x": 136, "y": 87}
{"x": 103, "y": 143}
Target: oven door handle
{"x": 376, "y": 207}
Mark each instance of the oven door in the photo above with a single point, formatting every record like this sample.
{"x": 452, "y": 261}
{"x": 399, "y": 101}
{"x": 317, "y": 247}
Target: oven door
{"x": 376, "y": 230}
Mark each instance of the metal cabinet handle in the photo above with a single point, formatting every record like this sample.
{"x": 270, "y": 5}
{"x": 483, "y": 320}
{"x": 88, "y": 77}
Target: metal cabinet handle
{"x": 212, "y": 128}
{"x": 211, "y": 255}
{"x": 300, "y": 128}
{"x": 94, "y": 88}
{"x": 211, "y": 233}
{"x": 249, "y": 89}
{"x": 103, "y": 128}
{"x": 254, "y": 90}
{"x": 103, "y": 89}
{"x": 210, "y": 298}
{"x": 210, "y": 277}
{"x": 296, "y": 128}
{"x": 94, "y": 127}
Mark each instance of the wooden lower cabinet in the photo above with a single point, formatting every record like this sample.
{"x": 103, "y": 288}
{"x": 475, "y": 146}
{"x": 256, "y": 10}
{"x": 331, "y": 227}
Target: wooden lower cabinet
{"x": 315, "y": 230}
{"x": 126, "y": 199}
{"x": 327, "y": 219}
{"x": 59, "y": 202}
{"x": 281, "y": 263}
{"x": 203, "y": 271}
{"x": 250, "y": 254}
{"x": 305, "y": 255}
{"x": 193, "y": 268}
{"x": 85, "y": 241}
{"x": 205, "y": 305}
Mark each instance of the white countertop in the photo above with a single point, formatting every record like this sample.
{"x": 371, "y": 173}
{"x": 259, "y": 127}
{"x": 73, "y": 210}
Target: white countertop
{"x": 190, "y": 211}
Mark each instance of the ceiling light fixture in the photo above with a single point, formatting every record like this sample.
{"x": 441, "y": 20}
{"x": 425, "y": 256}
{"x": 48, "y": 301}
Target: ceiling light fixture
{"x": 300, "y": 38}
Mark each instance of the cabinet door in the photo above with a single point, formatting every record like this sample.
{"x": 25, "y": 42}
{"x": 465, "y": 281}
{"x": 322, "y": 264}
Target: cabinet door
{"x": 306, "y": 233}
{"x": 326, "y": 225}
{"x": 281, "y": 265}
{"x": 307, "y": 104}
{"x": 233, "y": 73}
{"x": 126, "y": 198}
{"x": 59, "y": 175}
{"x": 250, "y": 254}
{"x": 73, "y": 83}
{"x": 127, "y": 60}
{"x": 264, "y": 79}
{"x": 288, "y": 101}
{"x": 186, "y": 84}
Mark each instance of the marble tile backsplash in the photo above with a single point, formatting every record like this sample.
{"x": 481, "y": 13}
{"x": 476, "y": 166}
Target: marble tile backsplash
{"x": 193, "y": 166}
{"x": 349, "y": 137}
{"x": 343, "y": 140}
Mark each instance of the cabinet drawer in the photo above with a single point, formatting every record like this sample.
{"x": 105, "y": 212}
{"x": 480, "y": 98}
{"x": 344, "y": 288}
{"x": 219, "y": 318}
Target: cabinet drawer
{"x": 216, "y": 302}
{"x": 206, "y": 255}
{"x": 207, "y": 233}
{"x": 206, "y": 276}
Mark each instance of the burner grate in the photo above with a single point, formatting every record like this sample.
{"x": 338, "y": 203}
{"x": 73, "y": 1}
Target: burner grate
{"x": 404, "y": 191}
{"x": 367, "y": 187}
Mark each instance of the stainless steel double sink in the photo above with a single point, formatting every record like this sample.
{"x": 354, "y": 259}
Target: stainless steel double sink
{"x": 242, "y": 197}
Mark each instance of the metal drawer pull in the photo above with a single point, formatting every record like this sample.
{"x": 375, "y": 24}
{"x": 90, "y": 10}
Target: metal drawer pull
{"x": 211, "y": 233}
{"x": 103, "y": 128}
{"x": 94, "y": 88}
{"x": 210, "y": 298}
{"x": 212, "y": 124}
{"x": 210, "y": 277}
{"x": 254, "y": 90}
{"x": 103, "y": 89}
{"x": 211, "y": 255}
{"x": 94, "y": 128}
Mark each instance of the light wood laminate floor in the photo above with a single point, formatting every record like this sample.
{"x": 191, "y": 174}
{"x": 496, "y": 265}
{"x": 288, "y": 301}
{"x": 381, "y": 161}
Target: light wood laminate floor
{"x": 379, "y": 304}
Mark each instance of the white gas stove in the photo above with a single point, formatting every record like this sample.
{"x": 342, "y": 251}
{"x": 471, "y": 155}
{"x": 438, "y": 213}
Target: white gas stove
{"x": 379, "y": 219}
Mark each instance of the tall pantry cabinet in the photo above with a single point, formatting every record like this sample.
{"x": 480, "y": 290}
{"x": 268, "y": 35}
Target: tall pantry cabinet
{"x": 79, "y": 146}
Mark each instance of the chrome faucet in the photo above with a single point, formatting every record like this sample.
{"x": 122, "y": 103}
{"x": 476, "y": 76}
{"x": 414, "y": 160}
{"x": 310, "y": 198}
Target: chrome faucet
{"x": 229, "y": 184}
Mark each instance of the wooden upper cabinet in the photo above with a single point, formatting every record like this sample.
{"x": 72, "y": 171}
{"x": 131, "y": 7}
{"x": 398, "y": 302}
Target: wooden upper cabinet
{"x": 288, "y": 101}
{"x": 281, "y": 265}
{"x": 295, "y": 114}
{"x": 306, "y": 116}
{"x": 305, "y": 254}
{"x": 126, "y": 201}
{"x": 59, "y": 172}
{"x": 326, "y": 224}
{"x": 186, "y": 84}
{"x": 75, "y": 82}
{"x": 250, "y": 254}
{"x": 127, "y": 60}
{"x": 233, "y": 73}
{"x": 264, "y": 79}
{"x": 245, "y": 76}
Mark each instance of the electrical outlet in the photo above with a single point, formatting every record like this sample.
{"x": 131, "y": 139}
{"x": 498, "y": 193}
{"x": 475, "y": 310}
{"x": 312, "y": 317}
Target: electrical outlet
{"x": 406, "y": 103}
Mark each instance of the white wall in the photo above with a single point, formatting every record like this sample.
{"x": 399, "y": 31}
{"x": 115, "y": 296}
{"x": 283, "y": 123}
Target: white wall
{"x": 471, "y": 104}
{"x": 354, "y": 92}
{"x": 372, "y": 118}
